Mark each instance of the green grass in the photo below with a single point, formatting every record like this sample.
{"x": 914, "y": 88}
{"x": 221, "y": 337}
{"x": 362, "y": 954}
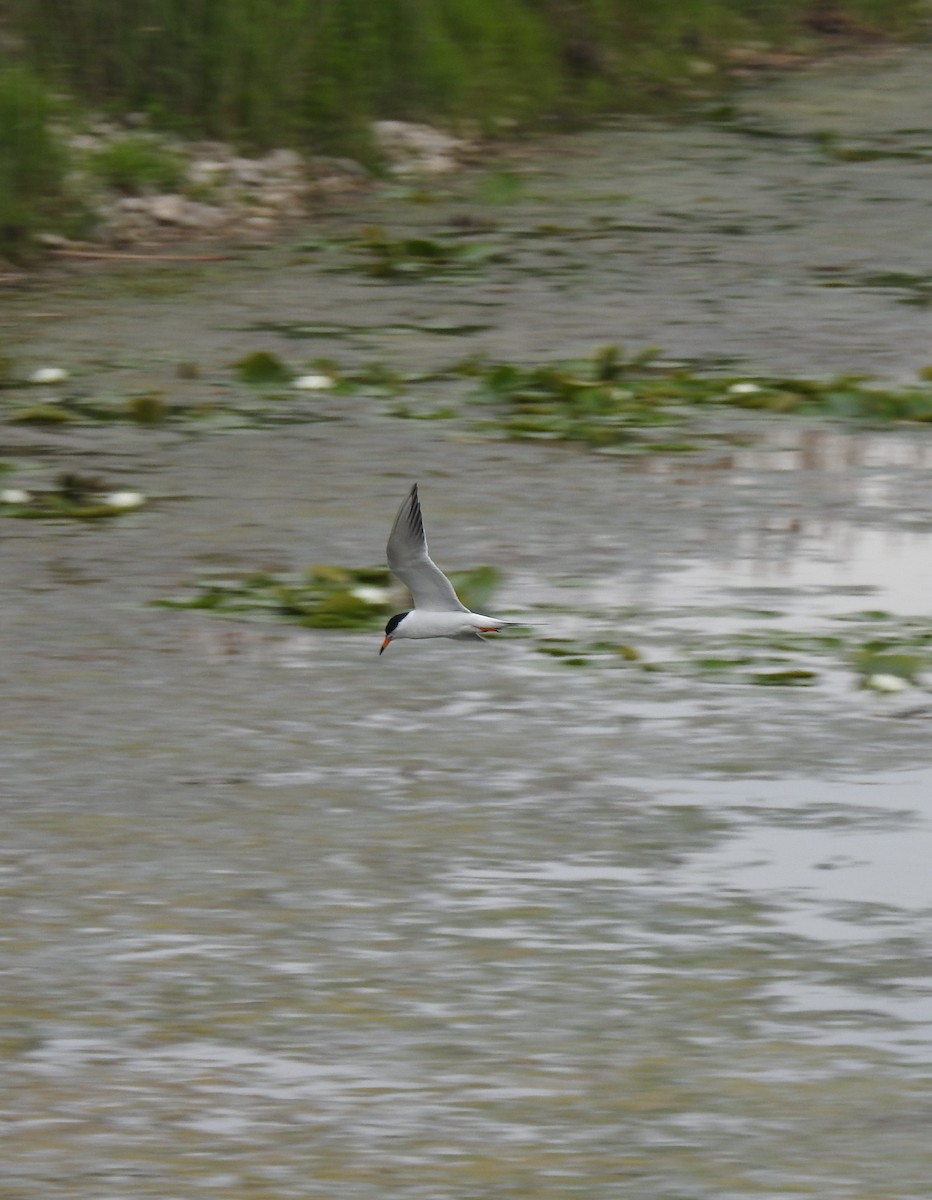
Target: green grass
{"x": 32, "y": 162}
{"x": 136, "y": 164}
{"x": 314, "y": 72}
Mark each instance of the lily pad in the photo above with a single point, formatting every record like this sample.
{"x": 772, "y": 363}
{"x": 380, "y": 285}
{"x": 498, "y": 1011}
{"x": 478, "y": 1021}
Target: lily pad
{"x": 902, "y": 666}
{"x": 75, "y": 496}
{"x": 795, "y": 677}
{"x": 324, "y": 596}
{"x": 613, "y": 399}
{"x": 41, "y": 414}
{"x": 262, "y": 367}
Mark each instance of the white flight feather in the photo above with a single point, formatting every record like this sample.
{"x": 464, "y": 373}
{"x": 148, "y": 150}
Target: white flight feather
{"x": 409, "y": 560}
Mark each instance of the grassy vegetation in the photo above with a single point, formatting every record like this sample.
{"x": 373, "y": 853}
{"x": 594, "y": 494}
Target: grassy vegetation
{"x": 138, "y": 163}
{"x": 313, "y": 72}
{"x": 32, "y": 161}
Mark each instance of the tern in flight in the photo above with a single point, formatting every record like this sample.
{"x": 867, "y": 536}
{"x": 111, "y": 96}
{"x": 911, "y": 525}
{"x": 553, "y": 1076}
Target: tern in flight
{"x": 437, "y": 611}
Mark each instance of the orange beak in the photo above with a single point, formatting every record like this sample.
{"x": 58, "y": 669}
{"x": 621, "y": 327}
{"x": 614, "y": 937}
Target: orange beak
{"x": 385, "y": 642}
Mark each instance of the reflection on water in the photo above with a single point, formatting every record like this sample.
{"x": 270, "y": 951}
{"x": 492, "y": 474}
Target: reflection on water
{"x": 823, "y": 520}
{"x": 328, "y": 983}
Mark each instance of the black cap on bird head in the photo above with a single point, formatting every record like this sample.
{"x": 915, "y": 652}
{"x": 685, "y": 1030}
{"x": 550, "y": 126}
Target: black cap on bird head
{"x": 393, "y": 623}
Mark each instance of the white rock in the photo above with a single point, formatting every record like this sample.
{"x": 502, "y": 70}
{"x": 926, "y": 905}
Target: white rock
{"x": 54, "y": 241}
{"x": 247, "y": 170}
{"x": 48, "y": 375}
{"x": 14, "y": 496}
{"x": 417, "y": 149}
{"x": 325, "y": 167}
{"x": 285, "y": 161}
{"x": 203, "y": 216}
{"x": 743, "y": 389}
{"x": 206, "y": 170}
{"x": 168, "y": 208}
{"x": 84, "y": 141}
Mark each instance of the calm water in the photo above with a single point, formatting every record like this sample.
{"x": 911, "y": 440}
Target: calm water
{"x": 284, "y": 919}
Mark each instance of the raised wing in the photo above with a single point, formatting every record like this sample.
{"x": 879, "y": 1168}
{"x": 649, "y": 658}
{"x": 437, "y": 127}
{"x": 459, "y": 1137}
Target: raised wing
{"x": 409, "y": 560}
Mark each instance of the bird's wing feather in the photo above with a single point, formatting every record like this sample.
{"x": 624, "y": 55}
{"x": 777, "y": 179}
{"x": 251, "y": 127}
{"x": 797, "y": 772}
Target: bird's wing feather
{"x": 409, "y": 560}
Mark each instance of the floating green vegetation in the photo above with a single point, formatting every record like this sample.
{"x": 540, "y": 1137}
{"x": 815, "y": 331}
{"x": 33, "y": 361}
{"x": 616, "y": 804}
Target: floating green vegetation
{"x": 406, "y": 413}
{"x": 438, "y": 327}
{"x": 144, "y": 408}
{"x": 502, "y": 187}
{"x": 611, "y": 400}
{"x": 792, "y": 677}
{"x": 771, "y": 657}
{"x": 153, "y": 409}
{"x": 913, "y": 288}
{"x": 8, "y": 372}
{"x": 75, "y": 496}
{"x": 829, "y": 142}
{"x": 322, "y": 596}
{"x": 873, "y": 660}
{"x": 41, "y": 414}
{"x": 416, "y": 257}
{"x": 261, "y": 367}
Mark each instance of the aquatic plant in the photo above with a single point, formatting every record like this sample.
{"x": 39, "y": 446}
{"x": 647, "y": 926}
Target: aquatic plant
{"x": 870, "y": 650}
{"x": 323, "y": 596}
{"x": 262, "y": 367}
{"x": 74, "y": 496}
{"x": 415, "y": 257}
{"x": 613, "y": 400}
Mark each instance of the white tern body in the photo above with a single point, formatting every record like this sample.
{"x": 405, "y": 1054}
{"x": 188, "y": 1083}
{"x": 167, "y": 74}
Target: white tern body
{"x": 437, "y": 610}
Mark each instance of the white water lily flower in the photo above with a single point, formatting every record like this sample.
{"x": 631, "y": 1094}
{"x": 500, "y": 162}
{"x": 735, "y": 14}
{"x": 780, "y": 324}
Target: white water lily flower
{"x": 885, "y": 683}
{"x": 743, "y": 389}
{"x": 48, "y": 375}
{"x": 14, "y": 496}
{"x": 371, "y": 595}
{"x": 124, "y": 499}
{"x": 313, "y": 383}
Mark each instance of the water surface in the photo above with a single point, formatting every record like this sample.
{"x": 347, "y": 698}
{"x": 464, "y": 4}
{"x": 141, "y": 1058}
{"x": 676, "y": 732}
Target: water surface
{"x": 284, "y": 919}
